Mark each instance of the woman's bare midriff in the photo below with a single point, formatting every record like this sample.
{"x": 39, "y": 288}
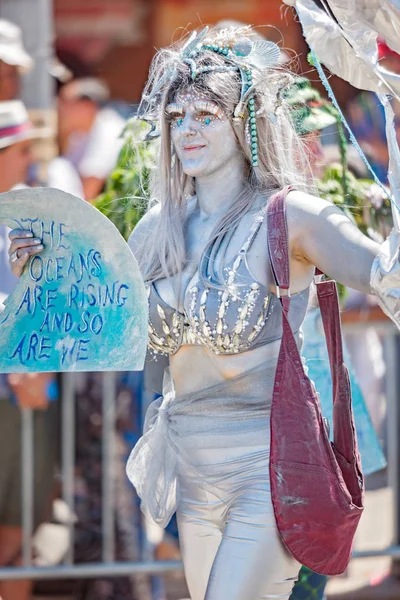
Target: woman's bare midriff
{"x": 194, "y": 367}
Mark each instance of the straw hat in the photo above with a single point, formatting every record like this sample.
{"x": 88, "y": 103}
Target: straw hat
{"x": 15, "y": 125}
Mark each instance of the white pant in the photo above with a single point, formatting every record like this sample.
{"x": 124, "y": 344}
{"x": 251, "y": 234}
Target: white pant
{"x": 233, "y": 551}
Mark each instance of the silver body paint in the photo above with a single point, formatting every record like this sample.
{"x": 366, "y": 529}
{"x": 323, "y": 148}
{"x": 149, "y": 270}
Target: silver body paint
{"x": 205, "y": 450}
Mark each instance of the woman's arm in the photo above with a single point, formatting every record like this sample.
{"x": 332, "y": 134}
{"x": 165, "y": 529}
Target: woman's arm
{"x": 320, "y": 234}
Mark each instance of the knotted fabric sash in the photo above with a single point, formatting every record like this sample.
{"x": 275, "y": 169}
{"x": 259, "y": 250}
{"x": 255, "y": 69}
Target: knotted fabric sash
{"x": 217, "y": 438}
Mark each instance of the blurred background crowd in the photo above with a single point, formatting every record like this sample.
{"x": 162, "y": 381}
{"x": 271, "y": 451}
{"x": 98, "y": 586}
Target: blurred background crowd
{"x": 71, "y": 75}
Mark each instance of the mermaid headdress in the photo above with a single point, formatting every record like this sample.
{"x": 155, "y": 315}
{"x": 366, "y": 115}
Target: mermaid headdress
{"x": 248, "y": 57}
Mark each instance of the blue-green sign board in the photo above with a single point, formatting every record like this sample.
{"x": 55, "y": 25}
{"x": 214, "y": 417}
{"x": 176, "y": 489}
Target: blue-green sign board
{"x": 80, "y": 304}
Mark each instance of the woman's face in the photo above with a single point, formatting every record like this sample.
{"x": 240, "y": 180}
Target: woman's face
{"x": 202, "y": 134}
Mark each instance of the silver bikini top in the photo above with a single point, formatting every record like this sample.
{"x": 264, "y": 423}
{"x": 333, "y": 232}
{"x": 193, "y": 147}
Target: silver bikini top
{"x": 241, "y": 315}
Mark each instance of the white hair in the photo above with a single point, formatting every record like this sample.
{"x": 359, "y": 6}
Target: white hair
{"x": 282, "y": 159}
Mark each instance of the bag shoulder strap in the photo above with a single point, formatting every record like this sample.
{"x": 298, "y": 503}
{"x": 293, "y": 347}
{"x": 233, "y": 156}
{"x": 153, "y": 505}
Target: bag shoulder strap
{"x": 278, "y": 248}
{"x": 330, "y": 313}
{"x": 278, "y": 245}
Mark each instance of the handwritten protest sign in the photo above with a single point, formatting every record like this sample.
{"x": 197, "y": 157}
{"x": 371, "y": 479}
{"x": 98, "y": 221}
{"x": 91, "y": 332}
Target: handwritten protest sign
{"x": 80, "y": 304}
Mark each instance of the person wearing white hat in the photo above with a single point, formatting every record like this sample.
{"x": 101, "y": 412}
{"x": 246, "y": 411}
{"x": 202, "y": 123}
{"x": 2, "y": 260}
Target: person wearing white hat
{"x": 12, "y": 50}
{"x": 16, "y": 133}
{"x": 89, "y": 132}
{"x": 14, "y": 60}
{"x": 20, "y": 389}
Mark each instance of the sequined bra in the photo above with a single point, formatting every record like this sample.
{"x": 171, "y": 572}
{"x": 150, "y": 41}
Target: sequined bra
{"x": 241, "y": 316}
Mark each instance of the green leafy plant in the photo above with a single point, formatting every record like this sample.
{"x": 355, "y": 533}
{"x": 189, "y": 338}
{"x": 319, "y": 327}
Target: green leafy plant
{"x": 124, "y": 199}
{"x": 363, "y": 201}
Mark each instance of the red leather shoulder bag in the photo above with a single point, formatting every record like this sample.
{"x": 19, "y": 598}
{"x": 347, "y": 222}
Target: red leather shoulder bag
{"x": 316, "y": 485}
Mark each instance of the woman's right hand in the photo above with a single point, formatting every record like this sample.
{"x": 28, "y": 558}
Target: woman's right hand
{"x": 23, "y": 245}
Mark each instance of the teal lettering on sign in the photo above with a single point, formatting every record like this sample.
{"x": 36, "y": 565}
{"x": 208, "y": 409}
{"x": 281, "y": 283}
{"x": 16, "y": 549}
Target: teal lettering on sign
{"x": 80, "y": 304}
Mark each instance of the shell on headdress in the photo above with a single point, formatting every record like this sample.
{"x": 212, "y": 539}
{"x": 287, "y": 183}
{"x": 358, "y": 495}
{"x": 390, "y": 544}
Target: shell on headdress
{"x": 264, "y": 54}
{"x": 259, "y": 54}
{"x": 242, "y": 47}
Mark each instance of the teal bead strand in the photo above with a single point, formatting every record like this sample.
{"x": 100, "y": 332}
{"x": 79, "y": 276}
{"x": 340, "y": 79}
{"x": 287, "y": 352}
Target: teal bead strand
{"x": 253, "y": 131}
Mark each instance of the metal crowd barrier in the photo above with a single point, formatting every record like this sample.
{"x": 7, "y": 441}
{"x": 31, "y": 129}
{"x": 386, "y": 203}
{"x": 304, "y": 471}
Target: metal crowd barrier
{"x": 68, "y": 570}
{"x": 109, "y": 567}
